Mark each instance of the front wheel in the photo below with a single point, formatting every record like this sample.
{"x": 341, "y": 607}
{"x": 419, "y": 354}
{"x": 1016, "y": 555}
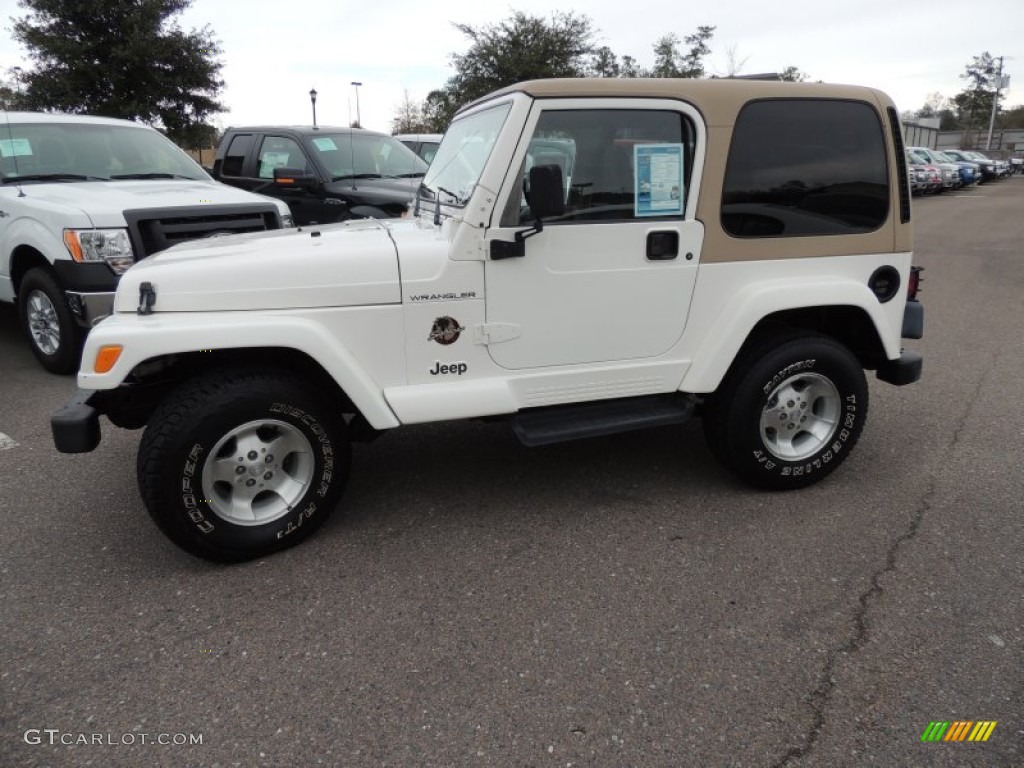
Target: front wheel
{"x": 238, "y": 465}
{"x": 53, "y": 334}
{"x": 789, "y": 412}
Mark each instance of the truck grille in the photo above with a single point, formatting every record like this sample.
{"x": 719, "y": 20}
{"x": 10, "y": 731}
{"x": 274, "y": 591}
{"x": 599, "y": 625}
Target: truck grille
{"x": 154, "y": 231}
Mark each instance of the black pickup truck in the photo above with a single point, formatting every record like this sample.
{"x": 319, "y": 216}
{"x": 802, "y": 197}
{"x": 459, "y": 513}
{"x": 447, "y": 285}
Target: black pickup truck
{"x": 324, "y": 174}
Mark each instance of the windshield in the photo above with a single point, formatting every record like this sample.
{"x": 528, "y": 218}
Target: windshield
{"x": 366, "y": 156}
{"x": 456, "y": 168}
{"x": 90, "y": 152}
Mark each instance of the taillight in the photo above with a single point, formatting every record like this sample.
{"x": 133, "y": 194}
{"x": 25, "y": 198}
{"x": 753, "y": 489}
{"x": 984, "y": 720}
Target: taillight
{"x": 914, "y": 283}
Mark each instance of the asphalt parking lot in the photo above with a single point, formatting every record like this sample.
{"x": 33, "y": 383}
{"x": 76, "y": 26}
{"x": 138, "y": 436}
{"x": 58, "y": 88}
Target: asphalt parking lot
{"x": 613, "y": 602}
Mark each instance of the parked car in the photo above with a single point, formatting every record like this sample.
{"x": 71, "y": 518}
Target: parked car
{"x": 84, "y": 198}
{"x": 949, "y": 172}
{"x": 423, "y": 144}
{"x": 737, "y": 250}
{"x": 989, "y": 171}
{"x": 970, "y": 173}
{"x": 919, "y": 176}
{"x": 324, "y": 174}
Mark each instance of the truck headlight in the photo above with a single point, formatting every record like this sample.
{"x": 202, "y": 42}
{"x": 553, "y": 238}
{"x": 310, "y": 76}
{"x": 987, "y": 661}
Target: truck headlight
{"x": 110, "y": 245}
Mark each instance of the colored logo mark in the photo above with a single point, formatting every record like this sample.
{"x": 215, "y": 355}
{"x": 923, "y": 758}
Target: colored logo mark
{"x": 959, "y": 730}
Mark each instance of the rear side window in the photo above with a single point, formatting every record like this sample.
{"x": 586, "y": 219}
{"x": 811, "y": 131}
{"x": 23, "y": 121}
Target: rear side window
{"x": 234, "y": 158}
{"x": 805, "y": 167}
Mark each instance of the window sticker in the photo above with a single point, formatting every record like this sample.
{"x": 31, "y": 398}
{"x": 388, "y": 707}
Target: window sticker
{"x": 658, "y": 179}
{"x": 271, "y": 160}
{"x": 324, "y": 143}
{"x": 15, "y": 148}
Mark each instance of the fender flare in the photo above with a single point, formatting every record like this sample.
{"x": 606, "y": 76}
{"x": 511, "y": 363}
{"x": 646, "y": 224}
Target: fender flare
{"x": 747, "y": 307}
{"x": 147, "y": 339}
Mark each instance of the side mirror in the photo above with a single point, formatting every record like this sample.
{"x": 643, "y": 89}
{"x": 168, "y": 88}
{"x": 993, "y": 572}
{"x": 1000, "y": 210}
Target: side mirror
{"x": 547, "y": 194}
{"x": 546, "y": 198}
{"x": 294, "y": 177}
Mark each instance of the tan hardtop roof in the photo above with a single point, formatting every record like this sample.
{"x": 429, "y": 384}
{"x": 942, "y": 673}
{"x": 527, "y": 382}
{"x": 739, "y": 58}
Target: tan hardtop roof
{"x": 717, "y": 99}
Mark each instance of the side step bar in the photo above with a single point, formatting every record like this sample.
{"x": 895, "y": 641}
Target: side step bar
{"x": 559, "y": 423}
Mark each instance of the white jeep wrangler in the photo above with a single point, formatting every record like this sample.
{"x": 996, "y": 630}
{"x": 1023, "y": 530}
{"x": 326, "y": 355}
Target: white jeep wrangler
{"x": 585, "y": 257}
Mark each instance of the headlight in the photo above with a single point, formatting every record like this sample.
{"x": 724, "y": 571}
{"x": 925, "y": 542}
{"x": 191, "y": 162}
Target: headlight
{"x": 109, "y": 245}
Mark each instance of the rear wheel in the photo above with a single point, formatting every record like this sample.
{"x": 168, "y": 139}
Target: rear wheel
{"x": 789, "y": 411}
{"x": 53, "y": 334}
{"x": 241, "y": 464}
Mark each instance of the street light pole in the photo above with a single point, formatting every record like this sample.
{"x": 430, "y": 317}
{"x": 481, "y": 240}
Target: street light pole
{"x": 359, "y": 117}
{"x": 995, "y": 104}
{"x": 312, "y": 99}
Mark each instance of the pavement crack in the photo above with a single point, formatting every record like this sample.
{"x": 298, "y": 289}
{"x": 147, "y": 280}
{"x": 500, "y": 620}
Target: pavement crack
{"x": 821, "y": 696}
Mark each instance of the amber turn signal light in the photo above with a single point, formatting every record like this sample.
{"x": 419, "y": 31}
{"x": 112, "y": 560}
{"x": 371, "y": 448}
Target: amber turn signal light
{"x": 107, "y": 357}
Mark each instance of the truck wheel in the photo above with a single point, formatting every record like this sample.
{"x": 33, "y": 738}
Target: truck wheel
{"x": 53, "y": 334}
{"x": 241, "y": 464}
{"x": 789, "y": 411}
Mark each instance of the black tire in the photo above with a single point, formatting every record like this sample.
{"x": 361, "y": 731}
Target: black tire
{"x": 53, "y": 334}
{"x": 198, "y": 483}
{"x": 820, "y": 417}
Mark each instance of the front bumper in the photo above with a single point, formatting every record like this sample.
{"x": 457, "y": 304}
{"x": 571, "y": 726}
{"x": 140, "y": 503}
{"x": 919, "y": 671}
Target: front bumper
{"x": 90, "y": 308}
{"x": 76, "y": 426}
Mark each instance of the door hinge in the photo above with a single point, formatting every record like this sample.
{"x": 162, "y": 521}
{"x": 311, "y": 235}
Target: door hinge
{"x": 495, "y": 333}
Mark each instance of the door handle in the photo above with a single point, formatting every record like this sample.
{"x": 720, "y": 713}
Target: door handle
{"x": 662, "y": 246}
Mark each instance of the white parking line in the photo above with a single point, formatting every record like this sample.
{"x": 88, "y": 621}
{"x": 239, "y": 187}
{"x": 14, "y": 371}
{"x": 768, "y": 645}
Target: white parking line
{"x": 7, "y": 442}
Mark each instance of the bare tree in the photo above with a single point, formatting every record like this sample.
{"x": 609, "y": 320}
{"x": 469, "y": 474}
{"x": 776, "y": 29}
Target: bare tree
{"x": 733, "y": 63}
{"x": 409, "y": 117}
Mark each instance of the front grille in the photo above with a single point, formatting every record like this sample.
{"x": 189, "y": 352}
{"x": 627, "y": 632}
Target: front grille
{"x": 153, "y": 231}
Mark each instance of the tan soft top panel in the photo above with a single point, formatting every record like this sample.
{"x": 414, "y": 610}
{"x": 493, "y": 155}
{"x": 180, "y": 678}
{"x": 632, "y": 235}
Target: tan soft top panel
{"x": 718, "y": 100}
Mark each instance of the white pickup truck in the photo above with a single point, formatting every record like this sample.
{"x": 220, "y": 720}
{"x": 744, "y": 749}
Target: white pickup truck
{"x": 585, "y": 257}
{"x": 84, "y": 198}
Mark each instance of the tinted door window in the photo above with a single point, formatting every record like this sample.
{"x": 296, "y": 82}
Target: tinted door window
{"x": 280, "y": 152}
{"x": 234, "y": 158}
{"x": 805, "y": 167}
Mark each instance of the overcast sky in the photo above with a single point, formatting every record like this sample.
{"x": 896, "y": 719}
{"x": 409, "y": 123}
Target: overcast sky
{"x": 274, "y": 53}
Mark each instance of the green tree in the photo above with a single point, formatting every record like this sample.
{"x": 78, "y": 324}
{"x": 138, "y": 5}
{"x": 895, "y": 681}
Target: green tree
{"x": 525, "y": 47}
{"x": 1012, "y": 117}
{"x": 973, "y": 105}
{"x": 522, "y": 47}
{"x": 671, "y": 61}
{"x": 121, "y": 59}
{"x": 605, "y": 63}
{"x": 792, "y": 75}
{"x": 630, "y": 68}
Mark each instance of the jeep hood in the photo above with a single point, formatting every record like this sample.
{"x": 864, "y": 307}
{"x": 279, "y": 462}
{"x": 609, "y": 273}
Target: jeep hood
{"x": 104, "y": 201}
{"x": 340, "y": 265}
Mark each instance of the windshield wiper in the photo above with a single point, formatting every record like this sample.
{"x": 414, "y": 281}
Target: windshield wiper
{"x": 458, "y": 200}
{"x": 51, "y": 177}
{"x": 152, "y": 176}
{"x": 357, "y": 176}
{"x": 415, "y": 175}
